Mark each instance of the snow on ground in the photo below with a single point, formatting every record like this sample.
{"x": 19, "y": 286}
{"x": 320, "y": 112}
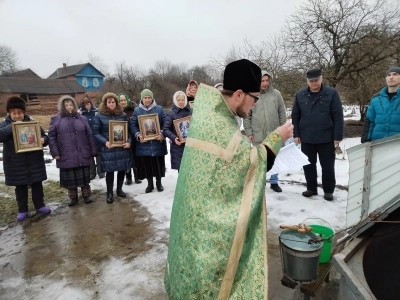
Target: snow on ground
{"x": 143, "y": 275}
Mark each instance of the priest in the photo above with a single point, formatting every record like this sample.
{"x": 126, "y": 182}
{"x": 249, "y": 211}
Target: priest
{"x": 218, "y": 244}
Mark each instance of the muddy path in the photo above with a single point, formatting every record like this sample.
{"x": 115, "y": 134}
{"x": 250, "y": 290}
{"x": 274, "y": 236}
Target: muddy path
{"x": 73, "y": 245}
{"x": 100, "y": 251}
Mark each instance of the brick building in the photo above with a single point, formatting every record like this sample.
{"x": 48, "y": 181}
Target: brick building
{"x": 41, "y": 94}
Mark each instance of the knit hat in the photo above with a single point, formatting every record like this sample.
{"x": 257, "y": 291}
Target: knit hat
{"x": 393, "y": 69}
{"x": 146, "y": 92}
{"x": 108, "y": 95}
{"x": 15, "y": 103}
{"x": 242, "y": 75}
{"x": 126, "y": 97}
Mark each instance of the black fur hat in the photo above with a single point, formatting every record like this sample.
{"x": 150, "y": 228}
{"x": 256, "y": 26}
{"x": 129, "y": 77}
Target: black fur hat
{"x": 15, "y": 102}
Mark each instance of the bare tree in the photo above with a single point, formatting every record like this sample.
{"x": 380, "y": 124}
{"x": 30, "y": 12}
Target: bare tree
{"x": 131, "y": 80}
{"x": 98, "y": 63}
{"x": 8, "y": 60}
{"x": 325, "y": 33}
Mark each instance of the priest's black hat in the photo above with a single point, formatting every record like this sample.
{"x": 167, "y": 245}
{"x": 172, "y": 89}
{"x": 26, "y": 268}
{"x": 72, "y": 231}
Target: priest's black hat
{"x": 242, "y": 75}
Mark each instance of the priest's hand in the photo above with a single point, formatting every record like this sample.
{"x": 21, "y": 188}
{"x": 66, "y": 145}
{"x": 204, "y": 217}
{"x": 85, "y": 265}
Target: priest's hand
{"x": 297, "y": 141}
{"x": 286, "y": 131}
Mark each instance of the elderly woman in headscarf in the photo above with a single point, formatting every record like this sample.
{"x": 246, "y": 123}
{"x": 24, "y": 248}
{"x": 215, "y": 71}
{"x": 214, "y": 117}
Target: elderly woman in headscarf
{"x": 72, "y": 144}
{"x": 129, "y": 107}
{"x": 180, "y": 109}
{"x": 191, "y": 90}
{"x": 151, "y": 153}
{"x": 112, "y": 158}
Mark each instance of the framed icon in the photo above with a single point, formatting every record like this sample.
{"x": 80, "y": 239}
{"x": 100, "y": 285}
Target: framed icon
{"x": 27, "y": 136}
{"x": 118, "y": 133}
{"x": 182, "y": 128}
{"x": 149, "y": 126}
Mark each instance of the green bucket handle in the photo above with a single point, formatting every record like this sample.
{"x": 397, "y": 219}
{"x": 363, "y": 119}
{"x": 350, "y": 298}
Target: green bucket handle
{"x": 320, "y": 219}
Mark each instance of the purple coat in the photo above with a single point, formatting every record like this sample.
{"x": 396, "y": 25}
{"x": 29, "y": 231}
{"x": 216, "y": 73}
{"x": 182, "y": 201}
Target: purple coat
{"x": 71, "y": 138}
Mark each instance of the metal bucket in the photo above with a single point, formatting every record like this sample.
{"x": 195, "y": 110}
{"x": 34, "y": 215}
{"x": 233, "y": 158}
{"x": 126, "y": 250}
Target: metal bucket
{"x": 300, "y": 255}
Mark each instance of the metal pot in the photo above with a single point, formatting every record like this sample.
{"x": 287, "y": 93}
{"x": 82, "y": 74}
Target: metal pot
{"x": 300, "y": 255}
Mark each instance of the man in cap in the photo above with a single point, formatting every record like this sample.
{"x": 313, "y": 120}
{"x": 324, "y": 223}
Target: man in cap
{"x": 383, "y": 114}
{"x": 264, "y": 118}
{"x": 317, "y": 117}
{"x": 217, "y": 245}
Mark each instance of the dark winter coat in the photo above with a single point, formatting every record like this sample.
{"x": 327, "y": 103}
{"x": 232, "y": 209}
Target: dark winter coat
{"x": 72, "y": 140}
{"x": 21, "y": 168}
{"x": 153, "y": 147}
{"x": 382, "y": 117}
{"x": 117, "y": 158}
{"x": 170, "y": 132}
{"x": 318, "y": 121}
{"x": 89, "y": 114}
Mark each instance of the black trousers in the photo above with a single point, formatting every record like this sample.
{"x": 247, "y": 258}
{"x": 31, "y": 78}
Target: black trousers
{"x": 326, "y": 154}
{"x": 110, "y": 178}
{"x": 21, "y": 193}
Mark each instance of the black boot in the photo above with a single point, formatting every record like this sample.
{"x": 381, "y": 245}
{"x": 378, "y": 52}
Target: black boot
{"x": 137, "y": 180}
{"x": 110, "y": 195}
{"x": 128, "y": 177}
{"x": 120, "y": 182}
{"x": 160, "y": 188}
{"x": 150, "y": 186}
{"x": 72, "y": 201}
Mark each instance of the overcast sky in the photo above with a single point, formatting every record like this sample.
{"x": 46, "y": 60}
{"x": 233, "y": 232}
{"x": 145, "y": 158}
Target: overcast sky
{"x": 46, "y": 33}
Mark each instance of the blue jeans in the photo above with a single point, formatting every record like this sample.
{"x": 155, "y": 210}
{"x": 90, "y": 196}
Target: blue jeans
{"x": 273, "y": 179}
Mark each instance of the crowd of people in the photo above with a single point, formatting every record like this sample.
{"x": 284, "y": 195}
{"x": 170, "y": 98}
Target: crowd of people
{"x": 79, "y": 141}
{"x": 217, "y": 243}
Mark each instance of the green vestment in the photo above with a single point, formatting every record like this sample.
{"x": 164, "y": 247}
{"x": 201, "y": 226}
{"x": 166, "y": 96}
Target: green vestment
{"x": 217, "y": 246}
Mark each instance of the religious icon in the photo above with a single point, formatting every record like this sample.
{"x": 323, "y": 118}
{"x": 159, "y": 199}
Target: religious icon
{"x": 149, "y": 126}
{"x": 118, "y": 133}
{"x": 27, "y": 136}
{"x": 182, "y": 128}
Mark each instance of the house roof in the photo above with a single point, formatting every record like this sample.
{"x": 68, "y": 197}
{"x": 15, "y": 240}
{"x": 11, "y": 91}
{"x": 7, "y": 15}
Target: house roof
{"x": 39, "y": 86}
{"x": 70, "y": 70}
{"x": 27, "y": 73}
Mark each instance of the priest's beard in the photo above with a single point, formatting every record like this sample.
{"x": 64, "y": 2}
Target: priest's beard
{"x": 240, "y": 111}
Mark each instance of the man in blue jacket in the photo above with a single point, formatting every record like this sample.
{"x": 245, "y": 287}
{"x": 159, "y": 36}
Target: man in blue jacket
{"x": 383, "y": 114}
{"x": 317, "y": 117}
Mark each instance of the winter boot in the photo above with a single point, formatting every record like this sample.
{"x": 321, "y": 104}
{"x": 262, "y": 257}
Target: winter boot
{"x": 137, "y": 180}
{"x": 309, "y": 193}
{"x": 276, "y": 187}
{"x": 72, "y": 196}
{"x": 120, "y": 182}
{"x": 43, "y": 210}
{"x": 72, "y": 201}
{"x": 86, "y": 192}
{"x": 110, "y": 195}
{"x": 22, "y": 216}
{"x": 150, "y": 186}
{"x": 128, "y": 177}
{"x": 160, "y": 188}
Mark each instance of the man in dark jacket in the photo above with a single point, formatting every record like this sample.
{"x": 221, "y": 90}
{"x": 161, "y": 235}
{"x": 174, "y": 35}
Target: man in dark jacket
{"x": 317, "y": 118}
